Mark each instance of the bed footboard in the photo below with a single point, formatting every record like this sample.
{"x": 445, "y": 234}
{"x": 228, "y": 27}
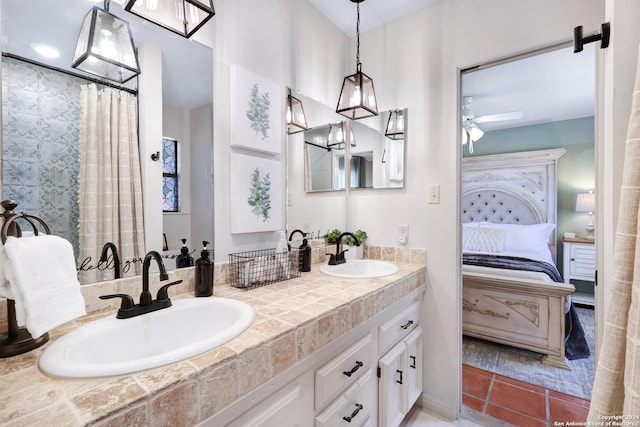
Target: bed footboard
{"x": 522, "y": 313}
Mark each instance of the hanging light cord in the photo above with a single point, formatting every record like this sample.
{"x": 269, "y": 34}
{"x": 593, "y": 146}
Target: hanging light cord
{"x": 106, "y": 5}
{"x": 358, "y": 36}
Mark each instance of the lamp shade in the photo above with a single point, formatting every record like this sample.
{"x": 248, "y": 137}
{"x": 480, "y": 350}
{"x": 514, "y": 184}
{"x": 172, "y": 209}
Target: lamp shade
{"x": 586, "y": 202}
{"x": 395, "y": 125}
{"x": 105, "y": 47}
{"x": 183, "y": 17}
{"x": 358, "y": 97}
{"x": 337, "y": 136}
{"x": 296, "y": 119}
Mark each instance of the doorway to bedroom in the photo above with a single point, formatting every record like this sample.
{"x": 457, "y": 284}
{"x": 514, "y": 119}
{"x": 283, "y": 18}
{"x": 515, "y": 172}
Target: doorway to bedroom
{"x": 528, "y": 199}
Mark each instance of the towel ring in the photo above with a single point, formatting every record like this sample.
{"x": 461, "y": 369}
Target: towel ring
{"x": 18, "y": 340}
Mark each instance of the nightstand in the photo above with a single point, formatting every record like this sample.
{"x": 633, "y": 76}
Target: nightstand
{"x": 579, "y": 263}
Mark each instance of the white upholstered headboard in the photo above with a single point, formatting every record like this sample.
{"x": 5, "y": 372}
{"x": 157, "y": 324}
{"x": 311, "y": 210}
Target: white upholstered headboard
{"x": 513, "y": 188}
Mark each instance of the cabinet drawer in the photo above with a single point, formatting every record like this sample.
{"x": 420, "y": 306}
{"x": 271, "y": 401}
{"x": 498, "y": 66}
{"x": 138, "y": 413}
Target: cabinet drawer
{"x": 352, "y": 408}
{"x": 397, "y": 328}
{"x": 335, "y": 376}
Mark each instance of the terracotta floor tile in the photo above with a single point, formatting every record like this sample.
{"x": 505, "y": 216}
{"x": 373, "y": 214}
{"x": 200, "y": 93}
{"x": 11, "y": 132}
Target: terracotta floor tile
{"x": 467, "y": 368}
{"x": 563, "y": 411}
{"x": 475, "y": 385}
{"x": 512, "y": 417}
{"x": 519, "y": 400}
{"x": 567, "y": 398}
{"x": 521, "y": 384}
{"x": 473, "y": 402}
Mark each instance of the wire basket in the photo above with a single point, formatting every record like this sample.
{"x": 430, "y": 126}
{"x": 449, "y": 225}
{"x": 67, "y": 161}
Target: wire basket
{"x": 262, "y": 267}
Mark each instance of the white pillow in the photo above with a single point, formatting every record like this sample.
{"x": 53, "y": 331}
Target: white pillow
{"x": 481, "y": 239}
{"x": 525, "y": 238}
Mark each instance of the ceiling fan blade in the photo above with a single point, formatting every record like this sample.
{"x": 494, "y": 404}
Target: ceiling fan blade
{"x": 512, "y": 115}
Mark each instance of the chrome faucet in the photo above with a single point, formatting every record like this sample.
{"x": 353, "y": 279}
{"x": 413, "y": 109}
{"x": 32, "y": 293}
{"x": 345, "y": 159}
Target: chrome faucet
{"x": 338, "y": 257}
{"x": 147, "y": 303}
{"x": 116, "y": 258}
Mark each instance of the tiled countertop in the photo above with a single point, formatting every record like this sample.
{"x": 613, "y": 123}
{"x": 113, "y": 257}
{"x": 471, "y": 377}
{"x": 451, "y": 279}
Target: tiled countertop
{"x": 293, "y": 319}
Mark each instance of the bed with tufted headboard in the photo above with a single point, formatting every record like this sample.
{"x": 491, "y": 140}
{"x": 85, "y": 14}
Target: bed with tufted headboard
{"x": 512, "y": 291}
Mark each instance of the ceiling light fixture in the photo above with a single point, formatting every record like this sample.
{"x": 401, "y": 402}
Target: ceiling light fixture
{"x": 357, "y": 97}
{"x": 105, "y": 46}
{"x": 470, "y": 133}
{"x": 296, "y": 120}
{"x": 45, "y": 50}
{"x": 395, "y": 125}
{"x": 183, "y": 17}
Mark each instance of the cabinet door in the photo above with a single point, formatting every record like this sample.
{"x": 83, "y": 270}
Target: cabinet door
{"x": 391, "y": 393}
{"x": 413, "y": 354}
{"x": 292, "y": 406}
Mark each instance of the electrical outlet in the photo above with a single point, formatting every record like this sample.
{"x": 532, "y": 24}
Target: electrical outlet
{"x": 403, "y": 234}
{"x": 434, "y": 193}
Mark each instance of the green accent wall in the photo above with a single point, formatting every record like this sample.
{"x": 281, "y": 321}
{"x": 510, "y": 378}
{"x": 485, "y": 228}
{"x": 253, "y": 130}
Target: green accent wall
{"x": 576, "y": 169}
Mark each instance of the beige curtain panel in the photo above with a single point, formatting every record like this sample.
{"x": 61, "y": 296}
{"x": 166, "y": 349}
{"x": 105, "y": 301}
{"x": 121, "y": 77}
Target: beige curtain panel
{"x": 616, "y": 390}
{"x": 110, "y": 180}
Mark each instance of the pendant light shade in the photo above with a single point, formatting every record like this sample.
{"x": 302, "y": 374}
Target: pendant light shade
{"x": 357, "y": 97}
{"x": 105, "y": 47}
{"x": 395, "y": 125}
{"x": 183, "y": 17}
{"x": 296, "y": 120}
{"x": 337, "y": 135}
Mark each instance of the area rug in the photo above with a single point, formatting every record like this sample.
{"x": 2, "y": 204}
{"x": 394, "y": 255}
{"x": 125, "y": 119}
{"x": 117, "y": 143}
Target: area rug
{"x": 525, "y": 365}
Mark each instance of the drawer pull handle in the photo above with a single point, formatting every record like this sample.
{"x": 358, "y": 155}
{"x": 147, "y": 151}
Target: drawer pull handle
{"x": 354, "y": 369}
{"x": 406, "y": 325}
{"x": 400, "y": 380}
{"x": 354, "y": 413}
{"x": 413, "y": 362}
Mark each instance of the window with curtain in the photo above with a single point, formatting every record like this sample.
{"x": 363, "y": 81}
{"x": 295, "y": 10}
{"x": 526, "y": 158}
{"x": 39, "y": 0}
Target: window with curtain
{"x": 170, "y": 175}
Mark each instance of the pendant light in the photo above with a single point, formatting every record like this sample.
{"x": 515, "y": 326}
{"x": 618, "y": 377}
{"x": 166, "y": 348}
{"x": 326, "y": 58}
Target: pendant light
{"x": 357, "y": 97}
{"x": 296, "y": 120}
{"x": 105, "y": 46}
{"x": 395, "y": 125}
{"x": 336, "y": 139}
{"x": 183, "y": 17}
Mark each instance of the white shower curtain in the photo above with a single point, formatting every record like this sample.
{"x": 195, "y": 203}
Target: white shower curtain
{"x": 110, "y": 181}
{"x": 616, "y": 390}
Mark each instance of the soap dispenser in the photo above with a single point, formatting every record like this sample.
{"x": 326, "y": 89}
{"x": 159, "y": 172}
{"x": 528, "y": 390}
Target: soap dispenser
{"x": 184, "y": 259}
{"x": 204, "y": 273}
{"x": 304, "y": 251}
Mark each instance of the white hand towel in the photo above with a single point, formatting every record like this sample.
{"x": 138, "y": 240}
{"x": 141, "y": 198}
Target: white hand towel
{"x": 43, "y": 278}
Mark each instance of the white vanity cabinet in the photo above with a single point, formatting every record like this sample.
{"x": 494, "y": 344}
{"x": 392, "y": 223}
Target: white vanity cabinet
{"x": 400, "y": 369}
{"x": 348, "y": 382}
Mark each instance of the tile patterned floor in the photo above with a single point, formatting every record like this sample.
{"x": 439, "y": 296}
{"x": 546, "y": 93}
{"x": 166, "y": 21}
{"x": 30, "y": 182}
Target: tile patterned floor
{"x": 517, "y": 402}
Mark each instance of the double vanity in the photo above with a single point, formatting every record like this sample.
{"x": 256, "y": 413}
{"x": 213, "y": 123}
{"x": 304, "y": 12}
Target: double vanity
{"x": 322, "y": 348}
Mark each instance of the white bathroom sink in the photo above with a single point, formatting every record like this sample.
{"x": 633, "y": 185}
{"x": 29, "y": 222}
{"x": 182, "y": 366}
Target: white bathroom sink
{"x": 111, "y": 346}
{"x": 360, "y": 269}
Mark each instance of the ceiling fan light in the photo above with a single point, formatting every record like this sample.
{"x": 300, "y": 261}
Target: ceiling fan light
{"x": 105, "y": 47}
{"x": 395, "y": 125}
{"x": 183, "y": 17}
{"x": 475, "y": 133}
{"x": 296, "y": 119}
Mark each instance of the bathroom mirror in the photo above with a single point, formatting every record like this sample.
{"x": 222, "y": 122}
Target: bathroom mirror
{"x": 324, "y": 158}
{"x": 187, "y": 82}
{"x": 377, "y": 161}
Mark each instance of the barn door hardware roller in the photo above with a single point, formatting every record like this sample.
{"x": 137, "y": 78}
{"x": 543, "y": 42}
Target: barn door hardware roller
{"x": 579, "y": 40}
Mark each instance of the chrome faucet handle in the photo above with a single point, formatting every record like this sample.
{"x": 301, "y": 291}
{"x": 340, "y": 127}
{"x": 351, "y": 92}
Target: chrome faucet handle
{"x": 163, "y": 291}
{"x": 127, "y": 302}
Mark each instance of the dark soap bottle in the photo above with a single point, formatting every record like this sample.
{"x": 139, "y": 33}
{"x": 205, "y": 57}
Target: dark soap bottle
{"x": 305, "y": 253}
{"x": 184, "y": 259}
{"x": 204, "y": 273}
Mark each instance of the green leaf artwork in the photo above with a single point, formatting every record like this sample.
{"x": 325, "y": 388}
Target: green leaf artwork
{"x": 258, "y": 112}
{"x": 259, "y": 195}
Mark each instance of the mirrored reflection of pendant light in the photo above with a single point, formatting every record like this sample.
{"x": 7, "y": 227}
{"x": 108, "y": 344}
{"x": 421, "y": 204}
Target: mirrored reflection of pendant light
{"x": 470, "y": 134}
{"x": 296, "y": 120}
{"x": 183, "y": 17}
{"x": 357, "y": 98}
{"x": 105, "y": 46}
{"x": 395, "y": 125}
{"x": 337, "y": 135}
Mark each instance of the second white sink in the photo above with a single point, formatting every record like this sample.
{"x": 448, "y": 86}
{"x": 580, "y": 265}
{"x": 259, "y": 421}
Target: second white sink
{"x": 111, "y": 346}
{"x": 360, "y": 269}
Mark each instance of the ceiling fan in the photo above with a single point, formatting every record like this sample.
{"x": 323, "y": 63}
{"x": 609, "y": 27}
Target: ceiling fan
{"x": 471, "y": 130}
